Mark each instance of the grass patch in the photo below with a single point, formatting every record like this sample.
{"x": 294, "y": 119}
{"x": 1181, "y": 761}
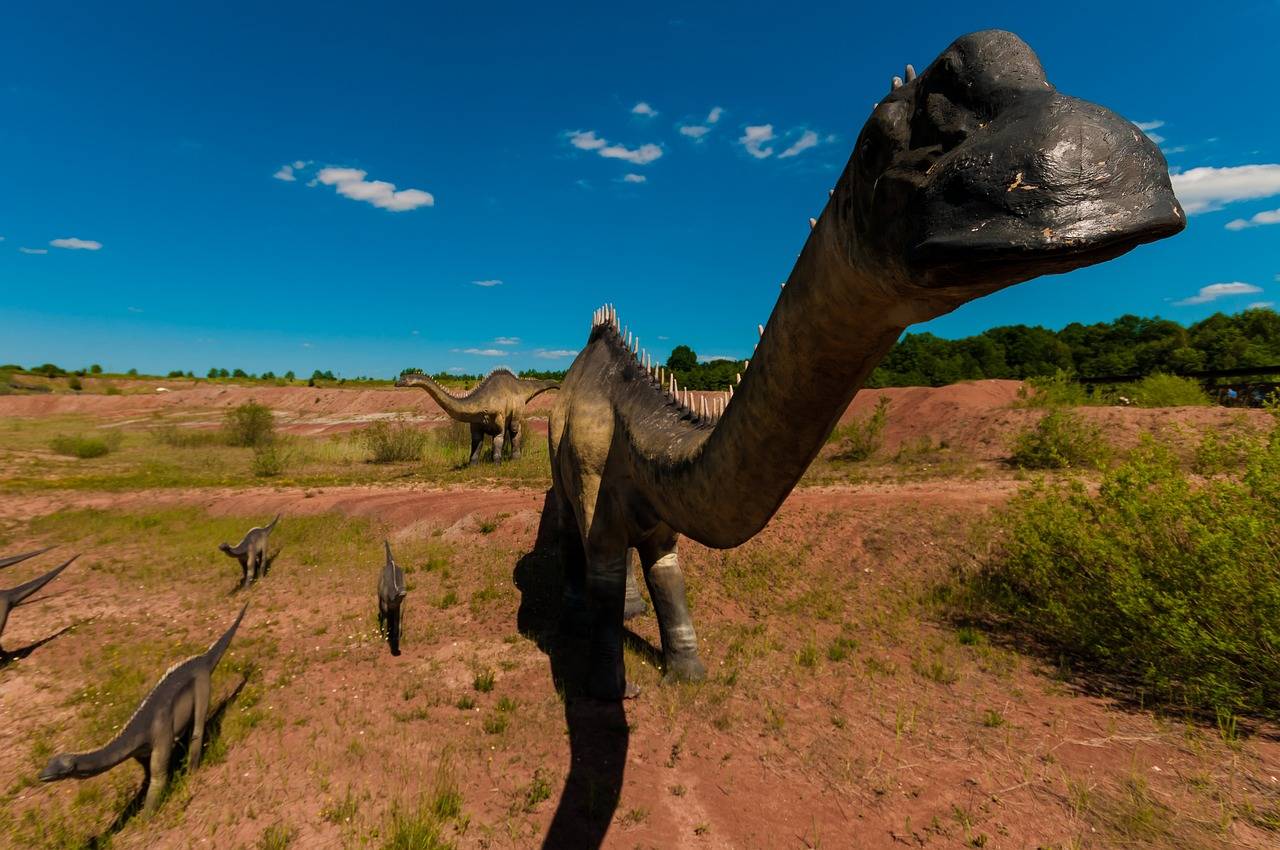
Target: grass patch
{"x": 85, "y": 446}
{"x": 860, "y": 438}
{"x": 423, "y": 826}
{"x": 1160, "y": 390}
{"x": 394, "y": 441}
{"x": 1060, "y": 440}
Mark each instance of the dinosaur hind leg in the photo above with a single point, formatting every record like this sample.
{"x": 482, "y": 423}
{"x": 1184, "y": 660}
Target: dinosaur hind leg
{"x": 635, "y": 606}
{"x": 161, "y": 752}
{"x": 393, "y": 630}
{"x": 199, "y": 714}
{"x": 498, "y": 441}
{"x": 606, "y": 584}
{"x": 666, "y": 589}
{"x": 477, "y": 440}
{"x": 515, "y": 437}
{"x": 244, "y": 570}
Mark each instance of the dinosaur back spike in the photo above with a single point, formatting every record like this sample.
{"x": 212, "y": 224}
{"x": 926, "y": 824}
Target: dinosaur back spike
{"x": 18, "y": 559}
{"x": 16, "y": 595}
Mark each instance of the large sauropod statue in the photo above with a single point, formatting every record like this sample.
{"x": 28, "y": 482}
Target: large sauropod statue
{"x": 15, "y": 596}
{"x": 391, "y": 594}
{"x": 969, "y": 178}
{"x": 494, "y": 409}
{"x": 251, "y": 551}
{"x": 178, "y": 704}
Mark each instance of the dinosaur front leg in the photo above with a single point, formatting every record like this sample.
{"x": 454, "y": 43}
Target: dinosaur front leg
{"x": 575, "y": 619}
{"x": 607, "y": 592}
{"x": 477, "y": 440}
{"x": 199, "y": 714}
{"x": 666, "y": 589}
{"x": 517, "y": 436}
{"x": 244, "y": 569}
{"x": 635, "y": 605}
{"x": 498, "y": 440}
{"x": 393, "y": 629}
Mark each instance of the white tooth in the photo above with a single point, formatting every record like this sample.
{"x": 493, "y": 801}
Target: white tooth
{"x": 782, "y": 285}
{"x": 896, "y": 84}
{"x": 737, "y": 378}
{"x": 830, "y": 192}
{"x": 745, "y": 364}
{"x": 731, "y": 392}
{"x": 760, "y": 329}
{"x": 911, "y": 72}
{"x": 813, "y": 222}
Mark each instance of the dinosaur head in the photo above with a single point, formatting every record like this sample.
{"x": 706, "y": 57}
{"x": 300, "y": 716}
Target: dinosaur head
{"x": 534, "y": 387}
{"x": 408, "y": 379}
{"x": 61, "y": 766}
{"x": 225, "y": 548}
{"x": 977, "y": 174}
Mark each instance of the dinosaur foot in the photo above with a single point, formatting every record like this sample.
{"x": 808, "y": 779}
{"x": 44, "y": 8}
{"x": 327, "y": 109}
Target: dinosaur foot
{"x": 687, "y": 668}
{"x": 635, "y": 607}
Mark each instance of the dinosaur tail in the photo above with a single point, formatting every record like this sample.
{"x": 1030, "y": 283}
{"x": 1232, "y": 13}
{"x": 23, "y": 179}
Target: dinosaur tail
{"x": 18, "y": 559}
{"x": 219, "y": 647}
{"x": 272, "y": 524}
{"x": 18, "y": 594}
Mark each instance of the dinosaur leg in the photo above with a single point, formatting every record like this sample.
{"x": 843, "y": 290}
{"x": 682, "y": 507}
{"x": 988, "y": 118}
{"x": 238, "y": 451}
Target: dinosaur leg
{"x": 666, "y": 589}
{"x": 393, "y": 630}
{"x": 636, "y": 605}
{"x": 498, "y": 441}
{"x": 517, "y": 436}
{"x": 575, "y": 619}
{"x": 4, "y": 618}
{"x": 199, "y": 714}
{"x": 244, "y": 570}
{"x": 606, "y": 548}
{"x": 477, "y": 439}
{"x": 161, "y": 752}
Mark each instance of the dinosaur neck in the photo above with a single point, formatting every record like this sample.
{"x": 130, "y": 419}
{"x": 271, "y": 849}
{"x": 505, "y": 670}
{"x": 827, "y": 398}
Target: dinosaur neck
{"x": 461, "y": 409}
{"x": 123, "y": 746}
{"x": 830, "y": 327}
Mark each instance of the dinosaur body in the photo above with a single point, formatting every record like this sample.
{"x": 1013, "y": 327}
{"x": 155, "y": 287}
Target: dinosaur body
{"x": 391, "y": 594}
{"x": 176, "y": 706}
{"x": 494, "y": 409}
{"x": 973, "y": 176}
{"x": 251, "y": 551}
{"x": 15, "y": 596}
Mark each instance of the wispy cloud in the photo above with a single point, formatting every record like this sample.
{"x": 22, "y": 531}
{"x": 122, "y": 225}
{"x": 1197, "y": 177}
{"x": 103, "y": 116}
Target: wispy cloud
{"x": 697, "y": 131}
{"x": 757, "y": 141}
{"x": 555, "y": 353}
{"x": 71, "y": 243}
{"x": 755, "y": 138}
{"x": 587, "y": 140}
{"x": 506, "y": 340}
{"x": 808, "y": 139}
{"x": 633, "y": 178}
{"x": 482, "y": 352}
{"x": 351, "y": 183}
{"x": 1144, "y": 126}
{"x": 1214, "y": 291}
{"x": 34, "y": 250}
{"x": 285, "y": 172}
{"x": 644, "y": 109}
{"x": 1255, "y": 220}
{"x": 134, "y": 309}
{"x": 1208, "y": 188}
{"x": 1261, "y": 305}
{"x": 486, "y": 283}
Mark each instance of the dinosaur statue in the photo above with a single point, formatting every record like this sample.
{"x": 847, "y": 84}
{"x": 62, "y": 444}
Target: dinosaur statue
{"x": 179, "y": 702}
{"x": 391, "y": 593}
{"x": 495, "y": 408}
{"x": 251, "y": 551}
{"x": 969, "y": 178}
{"x": 15, "y": 596}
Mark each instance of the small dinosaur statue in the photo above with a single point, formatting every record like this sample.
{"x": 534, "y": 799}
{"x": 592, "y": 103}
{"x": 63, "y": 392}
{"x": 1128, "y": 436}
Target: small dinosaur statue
{"x": 391, "y": 593}
{"x": 251, "y": 551}
{"x": 15, "y": 596}
{"x": 495, "y": 408}
{"x": 177, "y": 704}
{"x": 971, "y": 177}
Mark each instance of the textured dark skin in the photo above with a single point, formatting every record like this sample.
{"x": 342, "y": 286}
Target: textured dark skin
{"x": 177, "y": 705}
{"x": 494, "y": 409}
{"x": 15, "y": 596}
{"x": 391, "y": 594}
{"x": 251, "y": 551}
{"x": 973, "y": 176}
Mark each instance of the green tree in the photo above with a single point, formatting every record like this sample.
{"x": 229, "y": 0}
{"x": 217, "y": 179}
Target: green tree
{"x": 682, "y": 359}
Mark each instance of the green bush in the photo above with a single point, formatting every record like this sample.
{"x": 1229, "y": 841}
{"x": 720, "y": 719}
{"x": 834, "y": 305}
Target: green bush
{"x": 1060, "y": 440}
{"x": 1158, "y": 581}
{"x": 86, "y": 446}
{"x": 1057, "y": 390}
{"x": 390, "y": 442}
{"x": 74, "y": 384}
{"x": 185, "y": 438}
{"x": 271, "y": 458}
{"x": 249, "y": 424}
{"x": 1160, "y": 390}
{"x": 859, "y": 439}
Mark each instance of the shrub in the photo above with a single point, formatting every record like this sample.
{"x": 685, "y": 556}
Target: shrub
{"x": 1057, "y": 390}
{"x": 86, "y": 446}
{"x": 74, "y": 384}
{"x": 185, "y": 438}
{"x": 1156, "y": 580}
{"x": 1060, "y": 440}
{"x": 271, "y": 459}
{"x": 390, "y": 442}
{"x": 1159, "y": 390}
{"x": 859, "y": 439}
{"x": 249, "y": 424}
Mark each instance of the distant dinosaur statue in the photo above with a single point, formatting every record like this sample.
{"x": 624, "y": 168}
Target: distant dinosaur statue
{"x": 15, "y": 596}
{"x": 178, "y": 704}
{"x": 391, "y": 593}
{"x": 251, "y": 552}
{"x": 495, "y": 408}
{"x": 969, "y": 178}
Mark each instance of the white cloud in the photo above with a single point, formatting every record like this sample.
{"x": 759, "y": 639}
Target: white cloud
{"x": 1261, "y": 305}
{"x": 711, "y": 358}
{"x": 34, "y": 250}
{"x": 307, "y": 345}
{"x": 506, "y": 340}
{"x": 1207, "y": 189}
{"x": 1144, "y": 126}
{"x": 807, "y": 140}
{"x": 299, "y": 164}
{"x": 1, "y": 238}
{"x": 134, "y": 309}
{"x": 633, "y": 178}
{"x": 1214, "y": 291}
{"x": 755, "y": 138}
{"x": 482, "y": 352}
{"x": 697, "y": 131}
{"x": 71, "y": 243}
{"x": 285, "y": 172}
{"x": 587, "y": 140}
{"x": 1256, "y": 220}
{"x": 486, "y": 283}
{"x": 644, "y": 109}
{"x": 350, "y": 183}
{"x": 1155, "y": 137}
{"x": 554, "y": 353}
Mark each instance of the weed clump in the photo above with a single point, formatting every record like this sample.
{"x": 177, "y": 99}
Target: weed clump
{"x": 392, "y": 442}
{"x": 249, "y": 424}
{"x": 859, "y": 439}
{"x": 1165, "y": 583}
{"x": 270, "y": 459}
{"x": 85, "y": 446}
{"x": 1060, "y": 440}
{"x": 1061, "y": 389}
{"x": 1160, "y": 390}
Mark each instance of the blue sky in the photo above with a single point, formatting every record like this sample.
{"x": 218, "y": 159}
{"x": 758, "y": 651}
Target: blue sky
{"x": 143, "y": 147}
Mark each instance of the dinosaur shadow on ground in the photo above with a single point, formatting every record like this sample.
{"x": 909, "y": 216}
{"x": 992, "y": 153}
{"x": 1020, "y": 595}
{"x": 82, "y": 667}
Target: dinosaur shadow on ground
{"x": 266, "y": 569}
{"x": 177, "y": 764}
{"x": 8, "y": 656}
{"x": 598, "y": 733}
